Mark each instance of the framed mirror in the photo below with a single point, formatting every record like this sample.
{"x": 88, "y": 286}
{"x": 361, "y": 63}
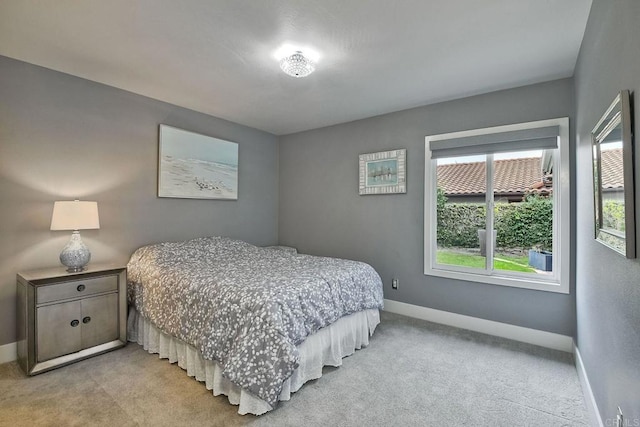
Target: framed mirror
{"x": 612, "y": 147}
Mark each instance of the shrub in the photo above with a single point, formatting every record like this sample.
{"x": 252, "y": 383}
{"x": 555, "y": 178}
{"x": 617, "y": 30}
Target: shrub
{"x": 458, "y": 224}
{"x": 613, "y": 215}
{"x": 518, "y": 225}
{"x": 525, "y": 225}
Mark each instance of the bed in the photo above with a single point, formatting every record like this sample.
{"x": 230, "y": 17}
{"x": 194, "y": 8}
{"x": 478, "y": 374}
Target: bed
{"x": 252, "y": 323}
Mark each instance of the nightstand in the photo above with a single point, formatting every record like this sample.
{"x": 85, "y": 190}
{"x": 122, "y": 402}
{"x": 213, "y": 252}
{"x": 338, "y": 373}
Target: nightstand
{"x": 64, "y": 317}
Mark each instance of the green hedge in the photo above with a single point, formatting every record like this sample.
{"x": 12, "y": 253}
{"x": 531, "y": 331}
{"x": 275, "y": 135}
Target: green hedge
{"x": 613, "y": 214}
{"x": 458, "y": 224}
{"x": 519, "y": 225}
{"x": 525, "y": 225}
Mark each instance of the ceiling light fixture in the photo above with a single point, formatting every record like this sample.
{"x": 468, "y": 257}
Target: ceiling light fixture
{"x": 297, "y": 65}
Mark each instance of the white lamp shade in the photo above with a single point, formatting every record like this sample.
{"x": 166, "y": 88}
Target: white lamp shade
{"x": 75, "y": 215}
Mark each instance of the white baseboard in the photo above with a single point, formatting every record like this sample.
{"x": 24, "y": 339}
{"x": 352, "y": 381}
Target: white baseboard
{"x": 504, "y": 330}
{"x": 589, "y": 398}
{"x": 8, "y": 352}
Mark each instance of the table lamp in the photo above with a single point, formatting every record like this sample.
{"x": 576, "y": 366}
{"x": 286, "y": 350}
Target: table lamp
{"x": 75, "y": 215}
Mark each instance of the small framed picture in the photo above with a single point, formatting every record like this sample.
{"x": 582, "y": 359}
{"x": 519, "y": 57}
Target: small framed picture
{"x": 195, "y": 166}
{"x": 383, "y": 173}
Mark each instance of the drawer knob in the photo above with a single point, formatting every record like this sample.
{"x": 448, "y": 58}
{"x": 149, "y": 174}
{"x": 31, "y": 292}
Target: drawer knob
{"x": 74, "y": 323}
{"x": 86, "y": 319}
{"x": 81, "y": 288}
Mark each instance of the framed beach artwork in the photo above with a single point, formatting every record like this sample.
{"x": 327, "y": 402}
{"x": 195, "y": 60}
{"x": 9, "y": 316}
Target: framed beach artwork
{"x": 195, "y": 166}
{"x": 383, "y": 172}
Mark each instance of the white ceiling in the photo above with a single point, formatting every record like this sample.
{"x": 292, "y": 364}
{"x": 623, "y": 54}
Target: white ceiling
{"x": 376, "y": 56}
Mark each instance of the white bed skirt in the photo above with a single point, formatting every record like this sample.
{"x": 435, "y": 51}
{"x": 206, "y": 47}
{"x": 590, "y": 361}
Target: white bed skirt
{"x": 326, "y": 347}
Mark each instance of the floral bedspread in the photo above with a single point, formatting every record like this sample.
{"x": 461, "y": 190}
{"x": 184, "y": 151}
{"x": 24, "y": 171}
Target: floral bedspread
{"x": 244, "y": 306}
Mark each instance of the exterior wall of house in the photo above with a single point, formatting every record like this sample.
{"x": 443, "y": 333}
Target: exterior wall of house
{"x": 613, "y": 195}
{"x": 481, "y": 199}
{"x": 466, "y": 199}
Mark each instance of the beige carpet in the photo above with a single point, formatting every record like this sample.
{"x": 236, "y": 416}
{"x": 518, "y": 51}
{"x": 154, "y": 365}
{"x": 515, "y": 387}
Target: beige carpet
{"x": 414, "y": 373}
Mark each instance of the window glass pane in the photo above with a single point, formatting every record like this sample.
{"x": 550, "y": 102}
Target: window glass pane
{"x": 523, "y": 212}
{"x": 520, "y": 200}
{"x": 461, "y": 211}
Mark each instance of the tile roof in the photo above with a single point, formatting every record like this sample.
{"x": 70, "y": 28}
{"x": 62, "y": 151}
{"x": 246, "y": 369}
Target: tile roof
{"x": 612, "y": 171}
{"x": 511, "y": 176}
{"x": 516, "y": 176}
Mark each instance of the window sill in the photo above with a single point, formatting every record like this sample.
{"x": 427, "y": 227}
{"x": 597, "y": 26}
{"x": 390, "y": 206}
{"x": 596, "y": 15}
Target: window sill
{"x": 514, "y": 282}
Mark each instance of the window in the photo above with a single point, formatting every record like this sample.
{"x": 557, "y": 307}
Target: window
{"x": 526, "y": 168}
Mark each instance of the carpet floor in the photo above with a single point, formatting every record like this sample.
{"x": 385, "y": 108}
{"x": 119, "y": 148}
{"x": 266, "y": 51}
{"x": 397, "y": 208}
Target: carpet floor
{"x": 414, "y": 373}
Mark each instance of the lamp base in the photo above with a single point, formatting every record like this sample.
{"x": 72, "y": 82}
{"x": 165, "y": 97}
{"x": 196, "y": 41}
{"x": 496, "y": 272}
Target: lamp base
{"x": 75, "y": 255}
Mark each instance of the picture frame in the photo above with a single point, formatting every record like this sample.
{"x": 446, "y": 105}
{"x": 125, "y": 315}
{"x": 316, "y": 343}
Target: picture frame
{"x": 196, "y": 166}
{"x": 613, "y": 172}
{"x": 383, "y": 172}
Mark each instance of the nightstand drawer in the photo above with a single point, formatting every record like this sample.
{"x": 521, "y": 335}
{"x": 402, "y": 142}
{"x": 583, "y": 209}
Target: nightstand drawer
{"x": 76, "y": 288}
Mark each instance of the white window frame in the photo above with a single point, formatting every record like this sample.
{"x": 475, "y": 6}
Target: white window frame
{"x": 559, "y": 281}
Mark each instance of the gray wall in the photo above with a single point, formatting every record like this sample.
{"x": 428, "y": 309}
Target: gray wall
{"x": 63, "y": 137}
{"x": 322, "y": 213}
{"x": 608, "y": 285}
